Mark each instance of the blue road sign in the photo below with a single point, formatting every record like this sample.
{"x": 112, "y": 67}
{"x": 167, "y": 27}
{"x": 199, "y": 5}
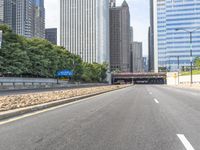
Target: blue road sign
{"x": 64, "y": 73}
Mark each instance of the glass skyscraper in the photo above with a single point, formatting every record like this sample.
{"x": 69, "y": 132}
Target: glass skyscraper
{"x": 171, "y": 17}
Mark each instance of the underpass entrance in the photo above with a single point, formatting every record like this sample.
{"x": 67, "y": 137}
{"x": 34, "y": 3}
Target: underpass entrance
{"x": 139, "y": 78}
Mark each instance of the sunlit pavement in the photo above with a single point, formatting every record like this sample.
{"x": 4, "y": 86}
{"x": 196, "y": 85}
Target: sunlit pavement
{"x": 136, "y": 118}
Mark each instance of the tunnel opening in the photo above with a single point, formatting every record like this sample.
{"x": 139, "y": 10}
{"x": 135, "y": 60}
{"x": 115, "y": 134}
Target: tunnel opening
{"x": 140, "y": 81}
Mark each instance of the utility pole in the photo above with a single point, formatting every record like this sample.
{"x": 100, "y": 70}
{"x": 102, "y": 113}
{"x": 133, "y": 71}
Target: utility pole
{"x": 191, "y": 60}
{"x": 191, "y": 54}
{"x": 178, "y": 59}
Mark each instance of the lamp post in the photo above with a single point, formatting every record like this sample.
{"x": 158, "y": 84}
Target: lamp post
{"x": 191, "y": 54}
{"x": 178, "y": 59}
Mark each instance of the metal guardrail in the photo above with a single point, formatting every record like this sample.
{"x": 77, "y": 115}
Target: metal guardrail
{"x": 39, "y": 83}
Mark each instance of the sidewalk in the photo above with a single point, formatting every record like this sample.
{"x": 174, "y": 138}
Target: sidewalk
{"x": 188, "y": 86}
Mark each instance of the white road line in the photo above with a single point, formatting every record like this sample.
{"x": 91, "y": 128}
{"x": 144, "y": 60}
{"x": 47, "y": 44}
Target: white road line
{"x": 156, "y": 100}
{"x": 43, "y": 111}
{"x": 185, "y": 142}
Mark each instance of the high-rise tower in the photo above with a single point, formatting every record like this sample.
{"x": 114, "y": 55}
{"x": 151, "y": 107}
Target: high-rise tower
{"x": 1, "y": 11}
{"x": 120, "y": 38}
{"x": 172, "y": 22}
{"x": 39, "y": 19}
{"x": 84, "y": 28}
{"x": 25, "y": 17}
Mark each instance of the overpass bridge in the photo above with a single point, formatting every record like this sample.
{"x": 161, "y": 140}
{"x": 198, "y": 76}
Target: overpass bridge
{"x": 139, "y": 78}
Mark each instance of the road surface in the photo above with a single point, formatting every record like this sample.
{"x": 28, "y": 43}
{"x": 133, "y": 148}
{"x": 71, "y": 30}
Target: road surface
{"x": 136, "y": 118}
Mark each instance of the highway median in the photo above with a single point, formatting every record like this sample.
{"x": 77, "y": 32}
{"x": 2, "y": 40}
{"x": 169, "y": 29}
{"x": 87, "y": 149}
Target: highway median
{"x": 15, "y": 105}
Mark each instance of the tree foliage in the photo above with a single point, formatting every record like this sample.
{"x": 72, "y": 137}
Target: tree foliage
{"x": 20, "y": 56}
{"x": 197, "y": 62}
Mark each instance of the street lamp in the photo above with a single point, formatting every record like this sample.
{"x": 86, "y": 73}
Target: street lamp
{"x": 191, "y": 55}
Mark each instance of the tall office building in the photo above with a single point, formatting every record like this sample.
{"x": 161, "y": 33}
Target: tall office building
{"x": 39, "y": 19}
{"x": 120, "y": 38}
{"x": 131, "y": 34}
{"x": 145, "y": 64}
{"x": 153, "y": 65}
{"x": 170, "y": 16}
{"x": 25, "y": 17}
{"x": 137, "y": 57}
{"x": 51, "y": 35}
{"x": 84, "y": 28}
{"x": 1, "y": 11}
{"x": 10, "y": 13}
{"x": 131, "y": 49}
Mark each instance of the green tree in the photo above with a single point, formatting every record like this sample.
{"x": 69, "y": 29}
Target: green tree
{"x": 40, "y": 58}
{"x": 197, "y": 62}
{"x": 13, "y": 57}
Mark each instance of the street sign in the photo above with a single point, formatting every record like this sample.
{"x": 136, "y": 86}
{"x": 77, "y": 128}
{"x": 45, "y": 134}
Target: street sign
{"x": 64, "y": 73}
{"x": 1, "y": 37}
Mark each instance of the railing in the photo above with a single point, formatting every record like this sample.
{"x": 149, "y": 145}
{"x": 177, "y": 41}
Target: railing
{"x": 9, "y": 83}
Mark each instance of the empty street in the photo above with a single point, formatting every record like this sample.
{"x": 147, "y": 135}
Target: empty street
{"x": 142, "y": 117}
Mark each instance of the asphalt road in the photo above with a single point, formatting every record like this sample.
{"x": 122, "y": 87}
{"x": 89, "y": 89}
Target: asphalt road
{"x": 135, "y": 118}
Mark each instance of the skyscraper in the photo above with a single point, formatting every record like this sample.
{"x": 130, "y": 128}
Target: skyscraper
{"x": 152, "y": 54}
{"x": 25, "y": 17}
{"x": 1, "y": 11}
{"x": 131, "y": 49}
{"x": 10, "y": 13}
{"x": 120, "y": 38}
{"x": 169, "y": 16}
{"x": 137, "y": 57}
{"x": 84, "y": 26}
{"x": 39, "y": 19}
{"x": 51, "y": 35}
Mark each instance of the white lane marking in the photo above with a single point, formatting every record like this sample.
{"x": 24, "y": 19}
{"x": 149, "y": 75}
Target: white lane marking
{"x": 156, "y": 101}
{"x": 185, "y": 142}
{"x": 43, "y": 111}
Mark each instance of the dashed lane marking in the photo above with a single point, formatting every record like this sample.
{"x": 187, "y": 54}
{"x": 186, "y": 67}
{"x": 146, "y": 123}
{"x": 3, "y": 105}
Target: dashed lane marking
{"x": 185, "y": 142}
{"x": 156, "y": 101}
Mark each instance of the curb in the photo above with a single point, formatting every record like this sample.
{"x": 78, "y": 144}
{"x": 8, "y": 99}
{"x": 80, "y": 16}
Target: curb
{"x": 14, "y": 113}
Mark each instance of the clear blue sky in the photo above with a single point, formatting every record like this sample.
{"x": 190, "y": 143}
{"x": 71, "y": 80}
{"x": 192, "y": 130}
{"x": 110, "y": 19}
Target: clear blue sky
{"x": 139, "y": 10}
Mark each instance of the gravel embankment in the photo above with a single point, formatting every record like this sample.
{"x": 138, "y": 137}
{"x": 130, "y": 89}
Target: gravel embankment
{"x": 25, "y": 100}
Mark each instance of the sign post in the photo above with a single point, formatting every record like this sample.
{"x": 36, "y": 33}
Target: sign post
{"x": 64, "y": 73}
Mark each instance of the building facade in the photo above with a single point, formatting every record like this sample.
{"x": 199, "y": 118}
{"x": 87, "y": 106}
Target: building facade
{"x": 172, "y": 18}
{"x": 137, "y": 57}
{"x": 10, "y": 13}
{"x": 39, "y": 19}
{"x": 25, "y": 17}
{"x": 84, "y": 28}
{"x": 120, "y": 38}
{"x": 145, "y": 64}
{"x": 153, "y": 64}
{"x": 1, "y": 11}
{"x": 51, "y": 35}
{"x": 131, "y": 49}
